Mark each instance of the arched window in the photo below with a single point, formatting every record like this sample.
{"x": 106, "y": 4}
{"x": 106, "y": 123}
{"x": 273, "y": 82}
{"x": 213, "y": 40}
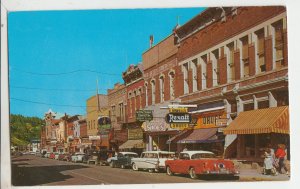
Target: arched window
{"x": 153, "y": 91}
{"x": 161, "y": 88}
{"x": 172, "y": 90}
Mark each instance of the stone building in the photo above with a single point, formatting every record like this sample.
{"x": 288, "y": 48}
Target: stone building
{"x": 234, "y": 60}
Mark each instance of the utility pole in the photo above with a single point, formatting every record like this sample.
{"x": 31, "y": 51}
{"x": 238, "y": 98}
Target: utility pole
{"x": 98, "y": 103}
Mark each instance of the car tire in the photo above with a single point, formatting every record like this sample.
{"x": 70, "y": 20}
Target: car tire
{"x": 135, "y": 167}
{"x": 112, "y": 164}
{"x": 122, "y": 166}
{"x": 192, "y": 173}
{"x": 169, "y": 172}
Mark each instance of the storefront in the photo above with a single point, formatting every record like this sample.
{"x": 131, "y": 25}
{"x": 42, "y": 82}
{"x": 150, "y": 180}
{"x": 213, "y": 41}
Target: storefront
{"x": 256, "y": 129}
{"x": 135, "y": 141}
{"x": 118, "y": 138}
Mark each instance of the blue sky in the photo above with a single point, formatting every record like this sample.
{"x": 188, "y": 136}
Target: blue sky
{"x": 67, "y": 43}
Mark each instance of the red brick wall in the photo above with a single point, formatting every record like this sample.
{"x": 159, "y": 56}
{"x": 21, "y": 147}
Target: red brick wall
{"x": 220, "y": 31}
{"x": 190, "y": 80}
{"x": 178, "y": 82}
{"x": 223, "y": 70}
{"x": 269, "y": 53}
{"x": 83, "y": 129}
{"x": 199, "y": 77}
{"x": 167, "y": 86}
{"x": 209, "y": 79}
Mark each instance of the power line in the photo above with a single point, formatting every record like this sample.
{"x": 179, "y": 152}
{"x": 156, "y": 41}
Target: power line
{"x": 49, "y": 104}
{"x": 36, "y": 88}
{"x": 64, "y": 73}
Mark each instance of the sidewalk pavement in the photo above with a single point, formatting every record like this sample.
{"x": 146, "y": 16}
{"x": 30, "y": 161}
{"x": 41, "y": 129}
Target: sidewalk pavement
{"x": 256, "y": 175}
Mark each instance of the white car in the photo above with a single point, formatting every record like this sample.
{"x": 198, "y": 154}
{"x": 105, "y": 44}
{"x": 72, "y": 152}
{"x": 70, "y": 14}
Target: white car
{"x": 151, "y": 160}
{"x": 77, "y": 157}
{"x": 47, "y": 155}
{"x": 56, "y": 155}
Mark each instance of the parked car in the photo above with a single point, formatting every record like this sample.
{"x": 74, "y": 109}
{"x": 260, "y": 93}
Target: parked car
{"x": 93, "y": 158}
{"x": 104, "y": 155}
{"x": 47, "y": 155}
{"x": 77, "y": 157}
{"x": 122, "y": 159}
{"x": 56, "y": 155}
{"x": 67, "y": 157}
{"x": 197, "y": 163}
{"x": 61, "y": 156}
{"x": 85, "y": 158}
{"x": 151, "y": 160}
{"x": 52, "y": 155}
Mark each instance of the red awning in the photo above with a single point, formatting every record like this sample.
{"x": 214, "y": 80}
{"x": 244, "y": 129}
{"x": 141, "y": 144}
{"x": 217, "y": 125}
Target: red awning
{"x": 196, "y": 136}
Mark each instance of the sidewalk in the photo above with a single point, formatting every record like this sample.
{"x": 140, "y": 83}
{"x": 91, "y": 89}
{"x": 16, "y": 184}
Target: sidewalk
{"x": 256, "y": 175}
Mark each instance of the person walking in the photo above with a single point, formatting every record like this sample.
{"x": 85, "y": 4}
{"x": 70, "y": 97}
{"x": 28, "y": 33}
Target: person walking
{"x": 280, "y": 154}
{"x": 269, "y": 169}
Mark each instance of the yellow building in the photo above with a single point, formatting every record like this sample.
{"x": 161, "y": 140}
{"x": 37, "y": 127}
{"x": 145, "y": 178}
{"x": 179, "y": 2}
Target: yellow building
{"x": 94, "y": 109}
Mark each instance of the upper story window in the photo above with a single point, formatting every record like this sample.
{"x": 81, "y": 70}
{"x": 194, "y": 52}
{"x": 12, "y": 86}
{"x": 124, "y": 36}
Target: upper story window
{"x": 203, "y": 68}
{"x": 185, "y": 78}
{"x": 146, "y": 93}
{"x": 172, "y": 90}
{"x": 260, "y": 45}
{"x": 230, "y": 61}
{"x": 161, "y": 88}
{"x": 194, "y": 64}
{"x": 113, "y": 110}
{"x": 135, "y": 96}
{"x": 245, "y": 55}
{"x": 278, "y": 42}
{"x": 215, "y": 58}
{"x": 153, "y": 91}
{"x": 140, "y": 98}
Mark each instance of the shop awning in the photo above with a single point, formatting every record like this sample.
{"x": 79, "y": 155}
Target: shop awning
{"x": 269, "y": 120}
{"x": 196, "y": 136}
{"x": 132, "y": 144}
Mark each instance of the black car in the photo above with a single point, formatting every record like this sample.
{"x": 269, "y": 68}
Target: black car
{"x": 123, "y": 159}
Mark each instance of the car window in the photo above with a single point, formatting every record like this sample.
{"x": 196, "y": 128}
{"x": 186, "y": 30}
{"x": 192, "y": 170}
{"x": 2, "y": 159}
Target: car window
{"x": 143, "y": 155}
{"x": 131, "y": 155}
{"x": 152, "y": 155}
{"x": 161, "y": 155}
{"x": 203, "y": 155}
{"x": 184, "y": 156}
{"x": 120, "y": 155}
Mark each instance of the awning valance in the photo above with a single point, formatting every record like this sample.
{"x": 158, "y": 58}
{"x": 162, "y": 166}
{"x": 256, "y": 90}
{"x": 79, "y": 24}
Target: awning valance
{"x": 269, "y": 120}
{"x": 132, "y": 144}
{"x": 196, "y": 136}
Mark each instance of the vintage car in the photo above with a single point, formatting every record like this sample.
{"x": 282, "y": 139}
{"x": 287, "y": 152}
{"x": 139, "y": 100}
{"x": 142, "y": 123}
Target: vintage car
{"x": 61, "y": 156}
{"x": 93, "y": 158}
{"x": 197, "y": 163}
{"x": 122, "y": 159}
{"x": 151, "y": 160}
{"x": 52, "y": 155}
{"x": 67, "y": 157}
{"x": 77, "y": 157}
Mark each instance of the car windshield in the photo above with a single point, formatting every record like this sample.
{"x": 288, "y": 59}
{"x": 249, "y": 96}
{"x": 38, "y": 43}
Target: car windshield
{"x": 131, "y": 155}
{"x": 203, "y": 155}
{"x": 184, "y": 156}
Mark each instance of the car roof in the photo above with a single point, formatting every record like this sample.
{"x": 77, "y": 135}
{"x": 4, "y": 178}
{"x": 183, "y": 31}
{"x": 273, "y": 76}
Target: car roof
{"x": 162, "y": 152}
{"x": 128, "y": 153}
{"x": 197, "y": 152}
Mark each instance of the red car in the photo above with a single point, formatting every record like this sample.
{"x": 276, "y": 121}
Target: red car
{"x": 197, "y": 163}
{"x": 52, "y": 156}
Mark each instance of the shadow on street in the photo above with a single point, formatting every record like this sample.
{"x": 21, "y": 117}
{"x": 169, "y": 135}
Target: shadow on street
{"x": 39, "y": 175}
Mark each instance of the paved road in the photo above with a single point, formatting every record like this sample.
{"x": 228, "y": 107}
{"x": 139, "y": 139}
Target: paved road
{"x": 29, "y": 170}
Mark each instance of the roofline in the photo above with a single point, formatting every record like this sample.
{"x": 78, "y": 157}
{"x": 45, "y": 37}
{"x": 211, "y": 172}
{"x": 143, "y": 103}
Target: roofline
{"x": 157, "y": 43}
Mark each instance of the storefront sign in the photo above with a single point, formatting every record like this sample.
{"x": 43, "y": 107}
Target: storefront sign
{"x": 144, "y": 115}
{"x": 178, "y": 110}
{"x": 134, "y": 134}
{"x": 94, "y": 137}
{"x": 155, "y": 125}
{"x": 179, "y": 126}
{"x": 178, "y": 118}
{"x": 211, "y": 120}
{"x": 104, "y": 125}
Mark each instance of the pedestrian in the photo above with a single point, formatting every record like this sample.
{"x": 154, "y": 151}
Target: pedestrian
{"x": 268, "y": 168}
{"x": 280, "y": 155}
{"x": 185, "y": 148}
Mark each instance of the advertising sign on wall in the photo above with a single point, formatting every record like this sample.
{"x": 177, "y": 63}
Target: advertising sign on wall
{"x": 211, "y": 120}
{"x": 135, "y": 134}
{"x": 144, "y": 115}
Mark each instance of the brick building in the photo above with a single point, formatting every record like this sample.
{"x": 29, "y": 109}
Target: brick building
{"x": 133, "y": 79}
{"x": 234, "y": 60}
{"x": 160, "y": 73}
{"x": 117, "y": 101}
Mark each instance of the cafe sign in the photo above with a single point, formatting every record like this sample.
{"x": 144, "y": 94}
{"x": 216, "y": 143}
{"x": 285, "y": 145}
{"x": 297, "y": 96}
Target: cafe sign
{"x": 144, "y": 115}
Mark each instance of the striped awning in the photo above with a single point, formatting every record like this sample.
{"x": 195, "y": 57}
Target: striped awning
{"x": 129, "y": 144}
{"x": 269, "y": 120}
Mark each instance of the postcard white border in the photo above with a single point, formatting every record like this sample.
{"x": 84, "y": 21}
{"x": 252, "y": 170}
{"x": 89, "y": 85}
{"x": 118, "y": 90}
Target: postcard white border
{"x": 33, "y": 5}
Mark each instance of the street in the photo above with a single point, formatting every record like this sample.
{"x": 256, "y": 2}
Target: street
{"x": 29, "y": 170}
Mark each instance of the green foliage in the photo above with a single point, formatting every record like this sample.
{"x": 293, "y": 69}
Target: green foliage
{"x": 23, "y": 129}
